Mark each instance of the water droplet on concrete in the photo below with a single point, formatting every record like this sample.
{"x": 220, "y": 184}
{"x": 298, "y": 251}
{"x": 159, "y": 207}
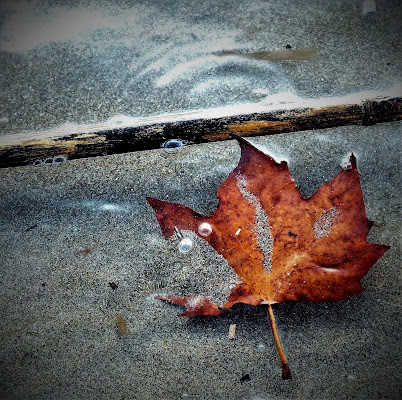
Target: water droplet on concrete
{"x": 185, "y": 245}
{"x": 59, "y": 159}
{"x": 173, "y": 145}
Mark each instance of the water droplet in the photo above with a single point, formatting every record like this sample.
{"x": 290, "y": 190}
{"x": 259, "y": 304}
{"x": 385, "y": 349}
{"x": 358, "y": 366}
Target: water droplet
{"x": 48, "y": 160}
{"x": 173, "y": 145}
{"x": 185, "y": 245}
{"x": 59, "y": 159}
{"x": 205, "y": 229}
{"x": 37, "y": 163}
{"x": 261, "y": 347}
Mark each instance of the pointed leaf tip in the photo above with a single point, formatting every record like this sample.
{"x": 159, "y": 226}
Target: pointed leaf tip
{"x": 239, "y": 138}
{"x": 349, "y": 162}
{"x": 152, "y": 201}
{"x": 195, "y": 305}
{"x": 353, "y": 160}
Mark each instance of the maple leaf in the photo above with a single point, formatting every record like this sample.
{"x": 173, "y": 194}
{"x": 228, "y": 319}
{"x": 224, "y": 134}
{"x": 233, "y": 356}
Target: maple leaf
{"x": 281, "y": 246}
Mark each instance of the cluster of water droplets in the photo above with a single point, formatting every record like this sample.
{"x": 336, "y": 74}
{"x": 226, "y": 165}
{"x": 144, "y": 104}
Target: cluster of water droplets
{"x": 50, "y": 160}
{"x": 185, "y": 243}
{"x": 205, "y": 229}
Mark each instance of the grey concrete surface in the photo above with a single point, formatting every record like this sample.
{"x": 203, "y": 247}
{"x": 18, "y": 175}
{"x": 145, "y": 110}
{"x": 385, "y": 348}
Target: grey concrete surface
{"x": 88, "y": 61}
{"x": 67, "y": 231}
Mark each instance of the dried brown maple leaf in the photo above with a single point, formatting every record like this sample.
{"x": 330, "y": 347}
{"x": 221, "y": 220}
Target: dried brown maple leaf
{"x": 281, "y": 246}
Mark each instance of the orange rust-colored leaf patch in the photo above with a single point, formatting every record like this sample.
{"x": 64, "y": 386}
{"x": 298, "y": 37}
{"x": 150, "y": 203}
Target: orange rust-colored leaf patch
{"x": 281, "y": 246}
{"x": 252, "y": 128}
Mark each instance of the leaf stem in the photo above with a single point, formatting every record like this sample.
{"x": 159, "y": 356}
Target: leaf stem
{"x": 285, "y": 366}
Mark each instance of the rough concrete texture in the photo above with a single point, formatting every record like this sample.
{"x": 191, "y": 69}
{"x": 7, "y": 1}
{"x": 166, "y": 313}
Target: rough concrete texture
{"x": 67, "y": 231}
{"x": 87, "y": 61}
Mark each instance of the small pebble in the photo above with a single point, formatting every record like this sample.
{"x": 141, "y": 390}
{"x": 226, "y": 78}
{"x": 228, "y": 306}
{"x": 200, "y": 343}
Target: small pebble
{"x": 121, "y": 324}
{"x": 232, "y": 331}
